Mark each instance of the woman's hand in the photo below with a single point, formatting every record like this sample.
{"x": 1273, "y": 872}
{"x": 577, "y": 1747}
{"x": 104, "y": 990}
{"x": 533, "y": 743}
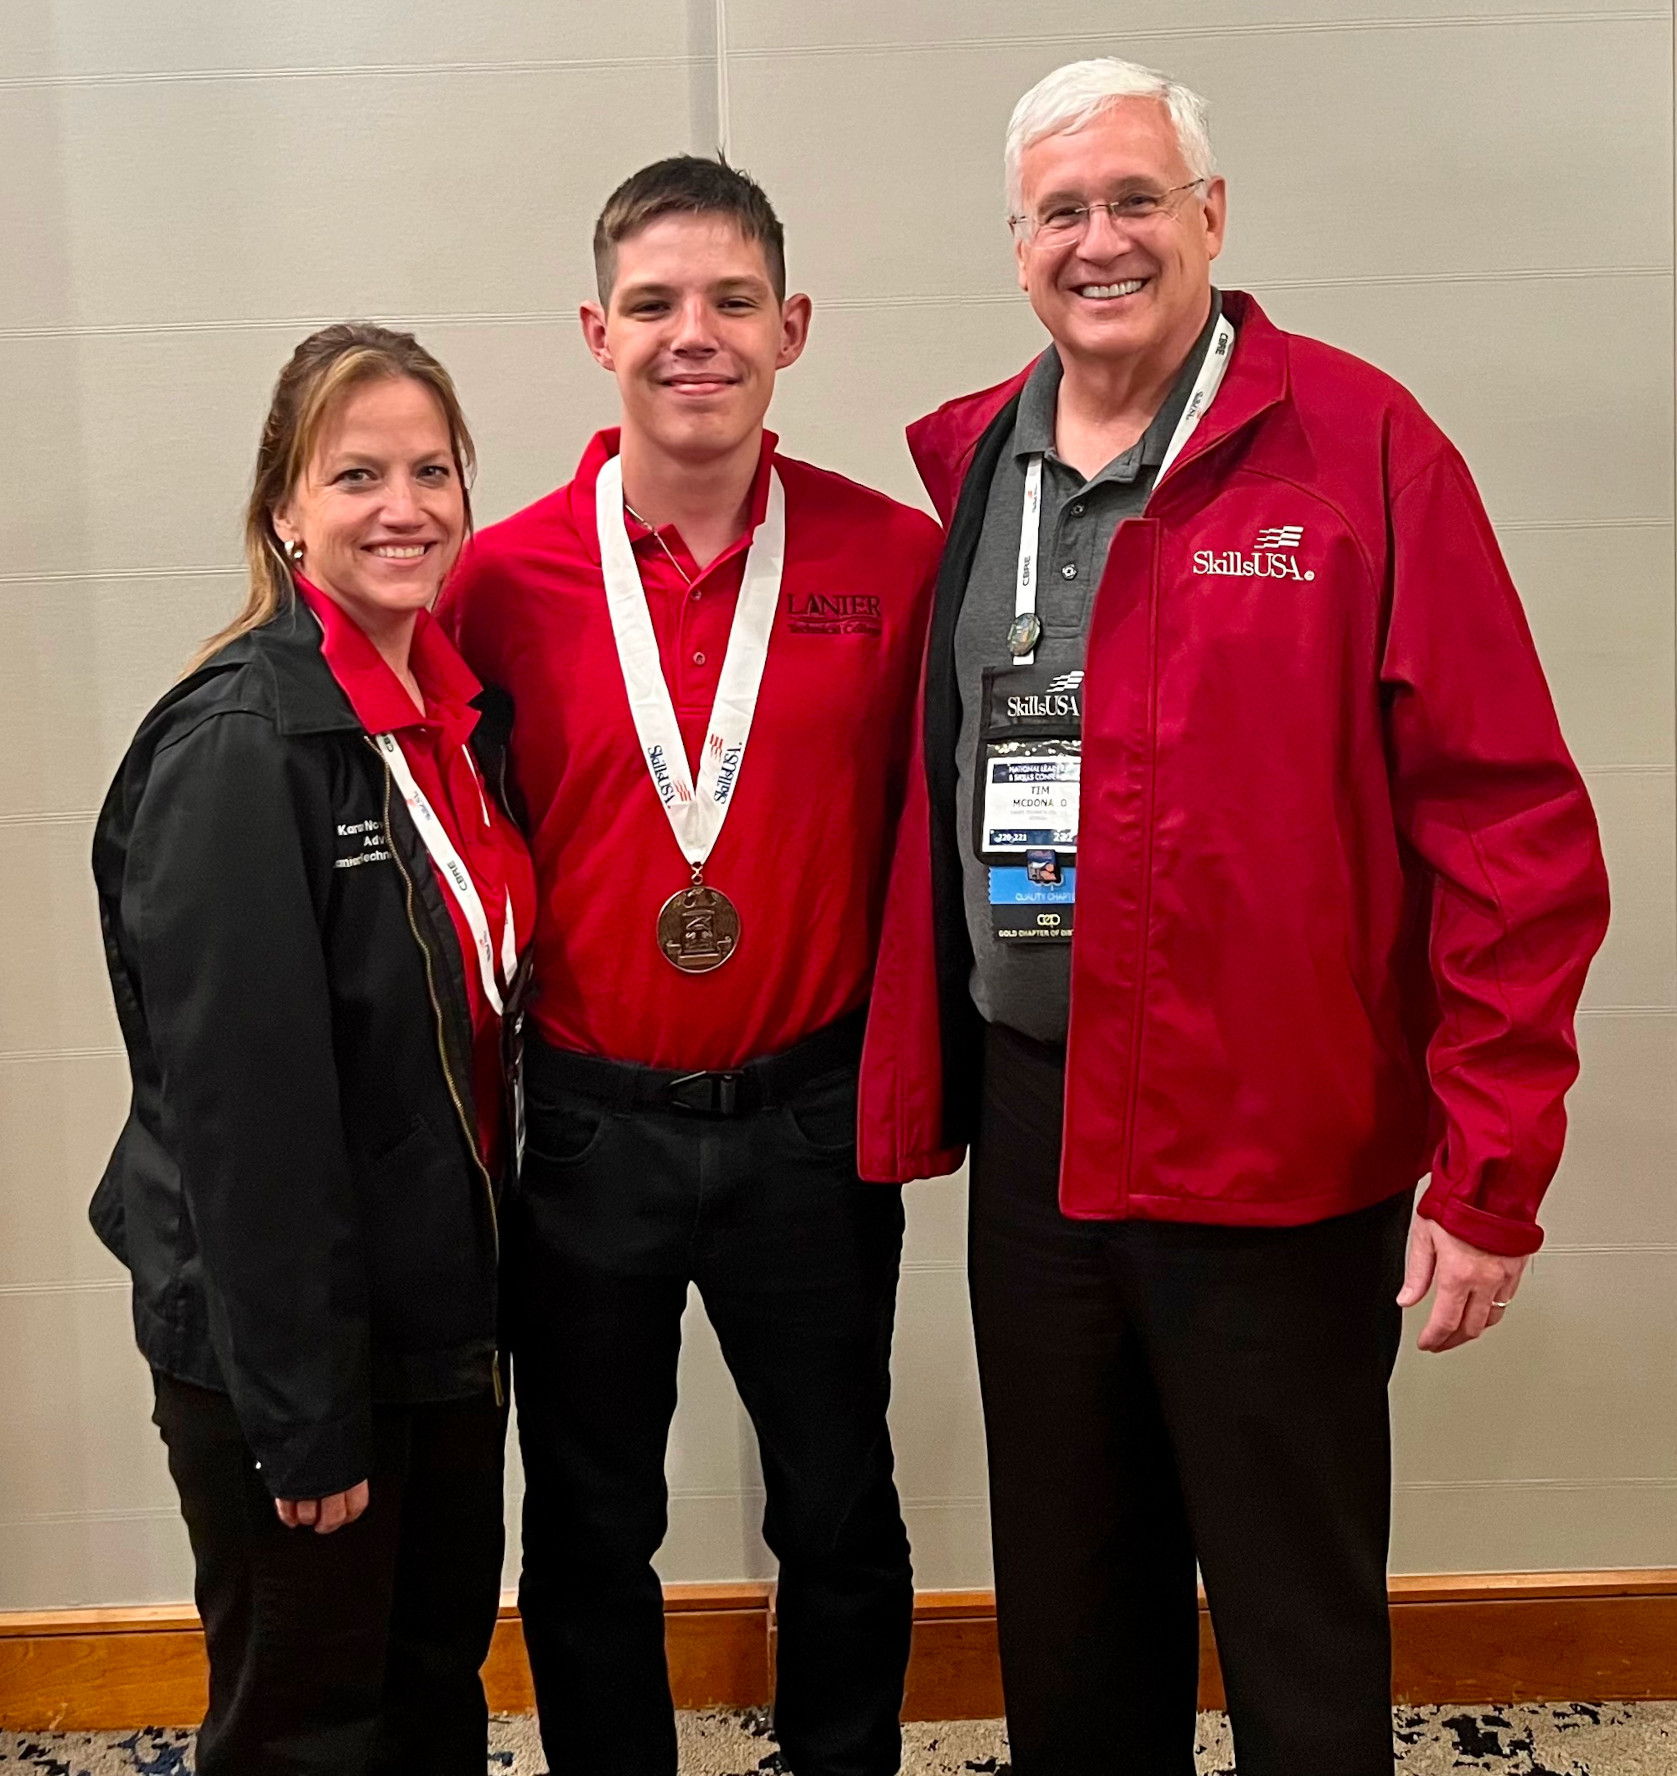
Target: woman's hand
{"x": 324, "y": 1515}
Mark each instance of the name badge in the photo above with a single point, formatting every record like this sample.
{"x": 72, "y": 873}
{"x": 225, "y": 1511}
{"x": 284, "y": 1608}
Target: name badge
{"x": 1030, "y": 798}
{"x": 1030, "y": 762}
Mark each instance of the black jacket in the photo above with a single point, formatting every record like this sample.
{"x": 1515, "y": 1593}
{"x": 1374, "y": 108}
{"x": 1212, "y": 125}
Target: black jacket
{"x": 297, "y": 1190}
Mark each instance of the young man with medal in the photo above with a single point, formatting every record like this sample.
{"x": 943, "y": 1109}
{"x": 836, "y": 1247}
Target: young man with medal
{"x": 713, "y": 653}
{"x": 1246, "y": 881}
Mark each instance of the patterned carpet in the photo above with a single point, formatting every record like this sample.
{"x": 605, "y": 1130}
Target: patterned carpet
{"x": 1576, "y": 1739}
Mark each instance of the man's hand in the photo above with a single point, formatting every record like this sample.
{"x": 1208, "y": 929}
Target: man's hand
{"x": 1473, "y": 1286}
{"x": 323, "y": 1515}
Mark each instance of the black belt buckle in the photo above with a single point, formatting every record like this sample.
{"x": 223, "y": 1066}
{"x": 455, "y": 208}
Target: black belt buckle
{"x": 706, "y": 1094}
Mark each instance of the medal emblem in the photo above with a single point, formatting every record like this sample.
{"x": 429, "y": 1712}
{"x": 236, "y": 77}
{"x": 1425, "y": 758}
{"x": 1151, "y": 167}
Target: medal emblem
{"x": 1023, "y": 633}
{"x": 698, "y": 929}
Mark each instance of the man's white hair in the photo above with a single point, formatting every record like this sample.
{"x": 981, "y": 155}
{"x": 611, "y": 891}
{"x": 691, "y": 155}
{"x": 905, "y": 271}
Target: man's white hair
{"x": 1071, "y": 97}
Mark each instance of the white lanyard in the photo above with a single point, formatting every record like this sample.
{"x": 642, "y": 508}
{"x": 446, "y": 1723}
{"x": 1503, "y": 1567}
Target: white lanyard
{"x": 456, "y": 877}
{"x": 695, "y": 811}
{"x": 1212, "y": 366}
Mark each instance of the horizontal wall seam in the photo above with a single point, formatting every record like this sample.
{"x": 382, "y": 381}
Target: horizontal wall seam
{"x": 802, "y": 51}
{"x": 29, "y": 1057}
{"x": 1610, "y": 1483}
{"x": 344, "y": 71}
{"x": 52, "y": 817}
{"x": 928, "y": 1502}
{"x": 913, "y": 299}
{"x": 1627, "y": 1011}
{"x": 68, "y": 1286}
{"x": 1203, "y": 33}
{"x": 123, "y": 1514}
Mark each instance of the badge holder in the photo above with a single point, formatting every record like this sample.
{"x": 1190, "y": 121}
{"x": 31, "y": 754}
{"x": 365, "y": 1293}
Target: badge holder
{"x": 1025, "y": 804}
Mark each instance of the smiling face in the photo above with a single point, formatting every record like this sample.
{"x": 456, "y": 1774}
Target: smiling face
{"x": 694, "y": 335}
{"x": 379, "y": 510}
{"x": 1127, "y": 289}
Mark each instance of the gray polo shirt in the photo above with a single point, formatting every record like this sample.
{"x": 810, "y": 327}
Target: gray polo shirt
{"x": 1028, "y": 985}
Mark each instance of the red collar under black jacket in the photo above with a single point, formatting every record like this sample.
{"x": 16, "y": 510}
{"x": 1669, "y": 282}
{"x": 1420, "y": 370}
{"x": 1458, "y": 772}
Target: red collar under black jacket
{"x": 1338, "y": 878}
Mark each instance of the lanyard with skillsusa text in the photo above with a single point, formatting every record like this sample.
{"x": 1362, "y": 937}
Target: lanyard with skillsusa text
{"x": 1026, "y": 631}
{"x": 698, "y": 926}
{"x": 456, "y": 877}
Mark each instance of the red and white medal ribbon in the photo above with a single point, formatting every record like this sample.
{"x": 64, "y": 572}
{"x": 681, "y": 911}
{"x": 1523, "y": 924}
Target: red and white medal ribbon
{"x": 695, "y": 810}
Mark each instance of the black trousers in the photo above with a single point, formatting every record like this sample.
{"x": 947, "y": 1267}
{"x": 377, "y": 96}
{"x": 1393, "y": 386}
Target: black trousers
{"x": 355, "y": 1653}
{"x": 1156, "y": 1393}
{"x": 623, "y": 1205}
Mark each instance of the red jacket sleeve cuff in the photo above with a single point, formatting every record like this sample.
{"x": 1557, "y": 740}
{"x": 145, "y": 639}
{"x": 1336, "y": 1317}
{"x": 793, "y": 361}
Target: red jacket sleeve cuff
{"x": 1490, "y": 1233}
{"x": 910, "y": 1168}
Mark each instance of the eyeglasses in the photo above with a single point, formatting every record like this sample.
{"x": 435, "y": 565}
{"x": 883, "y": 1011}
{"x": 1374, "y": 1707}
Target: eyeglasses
{"x": 1068, "y": 221}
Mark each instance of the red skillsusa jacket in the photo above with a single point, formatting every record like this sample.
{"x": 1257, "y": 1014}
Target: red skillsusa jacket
{"x": 1338, "y": 879}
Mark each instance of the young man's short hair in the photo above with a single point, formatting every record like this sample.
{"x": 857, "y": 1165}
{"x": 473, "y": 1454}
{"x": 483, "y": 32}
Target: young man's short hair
{"x": 688, "y": 185}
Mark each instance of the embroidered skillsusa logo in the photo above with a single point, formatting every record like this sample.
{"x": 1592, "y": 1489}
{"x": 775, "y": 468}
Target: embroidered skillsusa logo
{"x": 834, "y": 613}
{"x": 1270, "y": 557}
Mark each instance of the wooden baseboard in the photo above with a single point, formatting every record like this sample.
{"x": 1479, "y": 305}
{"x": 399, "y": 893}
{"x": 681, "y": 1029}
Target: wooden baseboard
{"x": 1478, "y": 1637}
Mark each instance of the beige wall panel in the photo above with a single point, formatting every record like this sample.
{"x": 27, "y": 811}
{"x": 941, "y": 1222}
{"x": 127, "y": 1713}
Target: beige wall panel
{"x": 58, "y": 1119}
{"x": 80, "y": 662}
{"x": 1599, "y": 604}
{"x": 137, "y": 451}
{"x": 66, "y": 1562}
{"x": 1618, "y": 1179}
{"x": 937, "y": 1429}
{"x": 389, "y": 195}
{"x": 1084, "y": 27}
{"x": 712, "y": 1449}
{"x": 950, "y": 1541}
{"x": 1330, "y": 174}
{"x": 1637, "y": 964}
{"x": 936, "y": 1212}
{"x": 1541, "y": 383}
{"x": 49, "y": 39}
{"x": 869, "y": 371}
{"x": 1576, "y": 1384}
{"x": 54, "y": 991}
{"x": 714, "y": 1537}
{"x": 534, "y": 398}
{"x": 75, "y": 1397}
{"x": 1533, "y": 1528}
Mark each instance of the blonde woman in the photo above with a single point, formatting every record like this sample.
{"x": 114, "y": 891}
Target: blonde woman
{"x": 314, "y": 905}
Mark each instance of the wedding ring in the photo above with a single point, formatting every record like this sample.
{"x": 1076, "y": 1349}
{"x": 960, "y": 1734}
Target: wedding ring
{"x": 1502, "y": 1304}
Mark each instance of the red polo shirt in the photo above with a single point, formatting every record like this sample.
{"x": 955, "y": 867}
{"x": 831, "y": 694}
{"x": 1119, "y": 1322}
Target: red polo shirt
{"x": 436, "y": 746}
{"x": 804, "y": 850}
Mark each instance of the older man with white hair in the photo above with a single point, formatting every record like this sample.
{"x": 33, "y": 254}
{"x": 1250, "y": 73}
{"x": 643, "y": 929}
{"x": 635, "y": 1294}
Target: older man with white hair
{"x": 1247, "y": 882}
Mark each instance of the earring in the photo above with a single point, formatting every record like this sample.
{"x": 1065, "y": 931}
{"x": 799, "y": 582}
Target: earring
{"x": 294, "y": 554}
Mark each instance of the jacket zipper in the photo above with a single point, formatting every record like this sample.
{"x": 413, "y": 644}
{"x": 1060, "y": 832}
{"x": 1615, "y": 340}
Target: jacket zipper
{"x": 442, "y": 1055}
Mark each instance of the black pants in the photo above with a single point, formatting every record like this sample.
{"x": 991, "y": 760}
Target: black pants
{"x": 1156, "y": 1392}
{"x": 623, "y": 1205}
{"x": 355, "y": 1652}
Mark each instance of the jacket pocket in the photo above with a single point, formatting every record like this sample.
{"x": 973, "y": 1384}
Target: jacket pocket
{"x": 429, "y": 1253}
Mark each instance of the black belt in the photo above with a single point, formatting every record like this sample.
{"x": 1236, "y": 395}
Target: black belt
{"x": 738, "y": 1091}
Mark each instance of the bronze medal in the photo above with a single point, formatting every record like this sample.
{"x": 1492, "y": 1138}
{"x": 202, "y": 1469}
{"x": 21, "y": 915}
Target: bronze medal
{"x": 698, "y": 928}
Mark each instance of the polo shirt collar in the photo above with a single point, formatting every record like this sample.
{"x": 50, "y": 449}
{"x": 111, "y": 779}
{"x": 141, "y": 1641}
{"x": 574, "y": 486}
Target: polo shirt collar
{"x": 1033, "y": 425}
{"x": 603, "y": 446}
{"x": 377, "y": 696}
